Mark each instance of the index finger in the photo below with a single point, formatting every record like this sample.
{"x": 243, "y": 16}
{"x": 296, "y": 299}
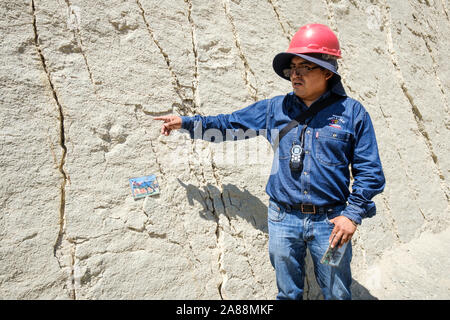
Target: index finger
{"x": 333, "y": 234}
{"x": 336, "y": 241}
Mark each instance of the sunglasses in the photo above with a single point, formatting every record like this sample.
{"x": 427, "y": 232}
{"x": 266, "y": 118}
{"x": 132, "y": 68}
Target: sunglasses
{"x": 301, "y": 71}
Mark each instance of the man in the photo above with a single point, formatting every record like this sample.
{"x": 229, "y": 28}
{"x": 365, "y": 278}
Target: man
{"x": 310, "y": 203}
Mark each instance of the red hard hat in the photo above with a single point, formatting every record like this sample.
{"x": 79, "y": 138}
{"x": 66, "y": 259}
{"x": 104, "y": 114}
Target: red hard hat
{"x": 309, "y": 39}
{"x": 315, "y": 38}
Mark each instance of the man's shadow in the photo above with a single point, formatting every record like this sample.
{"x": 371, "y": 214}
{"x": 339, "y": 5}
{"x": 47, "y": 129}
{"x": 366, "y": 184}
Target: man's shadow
{"x": 234, "y": 202}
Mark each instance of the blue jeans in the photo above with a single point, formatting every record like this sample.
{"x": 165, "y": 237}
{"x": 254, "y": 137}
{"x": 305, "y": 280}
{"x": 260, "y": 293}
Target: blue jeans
{"x": 290, "y": 233}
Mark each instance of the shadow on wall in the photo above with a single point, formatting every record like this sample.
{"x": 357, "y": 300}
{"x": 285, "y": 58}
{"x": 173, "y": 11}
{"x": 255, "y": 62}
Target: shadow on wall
{"x": 234, "y": 202}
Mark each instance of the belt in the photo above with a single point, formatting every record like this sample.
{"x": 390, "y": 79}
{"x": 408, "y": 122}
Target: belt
{"x": 308, "y": 208}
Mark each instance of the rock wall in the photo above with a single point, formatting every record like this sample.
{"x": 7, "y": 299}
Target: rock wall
{"x": 81, "y": 81}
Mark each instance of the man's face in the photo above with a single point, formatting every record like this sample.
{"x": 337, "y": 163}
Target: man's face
{"x": 308, "y": 84}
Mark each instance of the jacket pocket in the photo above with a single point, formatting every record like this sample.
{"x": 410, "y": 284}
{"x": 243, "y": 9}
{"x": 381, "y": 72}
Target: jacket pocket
{"x": 275, "y": 213}
{"x": 332, "y": 146}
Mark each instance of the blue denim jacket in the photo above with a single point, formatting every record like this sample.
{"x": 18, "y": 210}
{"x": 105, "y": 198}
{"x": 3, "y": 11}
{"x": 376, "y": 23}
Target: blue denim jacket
{"x": 338, "y": 139}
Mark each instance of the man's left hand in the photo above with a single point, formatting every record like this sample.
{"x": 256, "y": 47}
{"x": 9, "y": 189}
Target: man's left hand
{"x": 342, "y": 232}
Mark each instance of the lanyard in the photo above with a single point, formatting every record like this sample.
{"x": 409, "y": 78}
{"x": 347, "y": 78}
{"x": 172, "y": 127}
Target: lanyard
{"x": 311, "y": 112}
{"x": 302, "y": 136}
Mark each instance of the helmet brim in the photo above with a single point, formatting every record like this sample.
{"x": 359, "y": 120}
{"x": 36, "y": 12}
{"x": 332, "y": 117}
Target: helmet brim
{"x": 282, "y": 61}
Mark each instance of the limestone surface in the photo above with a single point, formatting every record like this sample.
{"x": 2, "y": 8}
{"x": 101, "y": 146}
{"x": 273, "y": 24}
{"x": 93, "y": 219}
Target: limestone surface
{"x": 80, "y": 84}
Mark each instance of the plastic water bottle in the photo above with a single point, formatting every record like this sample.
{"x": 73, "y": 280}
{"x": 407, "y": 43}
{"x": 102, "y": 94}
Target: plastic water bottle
{"x": 333, "y": 256}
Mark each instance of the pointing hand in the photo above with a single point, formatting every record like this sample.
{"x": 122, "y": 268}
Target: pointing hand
{"x": 170, "y": 123}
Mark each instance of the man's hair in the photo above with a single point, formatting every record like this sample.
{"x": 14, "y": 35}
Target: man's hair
{"x": 322, "y": 56}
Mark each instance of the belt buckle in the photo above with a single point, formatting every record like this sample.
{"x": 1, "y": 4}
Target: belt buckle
{"x": 308, "y": 212}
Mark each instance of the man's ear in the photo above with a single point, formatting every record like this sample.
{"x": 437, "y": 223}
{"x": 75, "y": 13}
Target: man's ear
{"x": 328, "y": 75}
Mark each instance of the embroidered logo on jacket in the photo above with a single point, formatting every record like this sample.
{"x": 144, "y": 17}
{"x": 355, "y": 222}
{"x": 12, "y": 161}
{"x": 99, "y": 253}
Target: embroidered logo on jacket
{"x": 335, "y": 122}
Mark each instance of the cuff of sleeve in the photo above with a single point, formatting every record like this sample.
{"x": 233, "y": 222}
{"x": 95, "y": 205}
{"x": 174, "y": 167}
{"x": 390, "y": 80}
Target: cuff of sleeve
{"x": 186, "y": 122}
{"x": 353, "y": 213}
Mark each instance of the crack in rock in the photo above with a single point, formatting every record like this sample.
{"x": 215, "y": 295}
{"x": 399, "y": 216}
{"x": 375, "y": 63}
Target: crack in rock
{"x": 65, "y": 178}
{"x": 414, "y": 108}
{"x": 253, "y": 91}
{"x": 287, "y": 34}
{"x": 195, "y": 82}
{"x": 187, "y": 105}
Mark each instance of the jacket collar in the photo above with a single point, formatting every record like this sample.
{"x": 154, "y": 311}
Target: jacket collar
{"x": 336, "y": 87}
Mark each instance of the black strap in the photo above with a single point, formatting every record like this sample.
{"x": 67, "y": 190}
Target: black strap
{"x": 311, "y": 112}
